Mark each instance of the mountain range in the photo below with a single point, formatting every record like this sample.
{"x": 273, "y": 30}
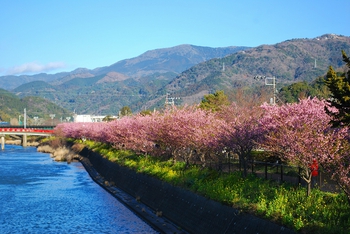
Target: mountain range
{"x": 175, "y": 60}
{"x": 105, "y": 90}
{"x": 186, "y": 71}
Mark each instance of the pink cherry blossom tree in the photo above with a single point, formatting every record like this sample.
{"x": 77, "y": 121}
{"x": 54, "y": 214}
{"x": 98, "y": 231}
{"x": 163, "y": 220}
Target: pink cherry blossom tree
{"x": 296, "y": 133}
{"x": 241, "y": 131}
{"x": 203, "y": 130}
{"x": 128, "y": 133}
{"x": 163, "y": 131}
{"x": 336, "y": 157}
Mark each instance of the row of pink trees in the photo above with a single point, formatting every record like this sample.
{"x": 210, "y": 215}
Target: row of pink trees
{"x": 297, "y": 133}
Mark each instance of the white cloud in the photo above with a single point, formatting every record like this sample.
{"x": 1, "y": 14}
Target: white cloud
{"x": 35, "y": 67}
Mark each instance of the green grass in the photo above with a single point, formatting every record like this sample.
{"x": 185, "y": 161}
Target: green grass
{"x": 321, "y": 212}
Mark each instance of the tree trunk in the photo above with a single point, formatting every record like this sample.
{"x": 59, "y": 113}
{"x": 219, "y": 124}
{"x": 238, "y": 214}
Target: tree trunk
{"x": 309, "y": 183}
{"x": 188, "y": 157}
{"x": 307, "y": 177}
{"x": 244, "y": 164}
{"x": 173, "y": 155}
{"x": 308, "y": 193}
{"x": 202, "y": 158}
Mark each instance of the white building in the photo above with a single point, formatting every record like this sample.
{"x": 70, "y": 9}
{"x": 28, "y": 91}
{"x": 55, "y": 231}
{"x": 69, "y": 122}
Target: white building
{"x": 90, "y": 118}
{"x": 82, "y": 118}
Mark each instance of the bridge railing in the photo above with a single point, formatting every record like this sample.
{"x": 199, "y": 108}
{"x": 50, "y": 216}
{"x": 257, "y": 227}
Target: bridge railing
{"x": 29, "y": 126}
{"x": 14, "y": 130}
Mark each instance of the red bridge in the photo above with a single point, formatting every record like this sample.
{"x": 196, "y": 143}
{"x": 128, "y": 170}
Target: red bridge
{"x": 24, "y": 132}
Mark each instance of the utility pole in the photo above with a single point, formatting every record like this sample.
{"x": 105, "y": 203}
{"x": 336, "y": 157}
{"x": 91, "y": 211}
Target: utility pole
{"x": 269, "y": 81}
{"x": 273, "y": 86}
{"x": 36, "y": 120}
{"x": 25, "y": 118}
{"x": 52, "y": 116}
{"x": 170, "y": 101}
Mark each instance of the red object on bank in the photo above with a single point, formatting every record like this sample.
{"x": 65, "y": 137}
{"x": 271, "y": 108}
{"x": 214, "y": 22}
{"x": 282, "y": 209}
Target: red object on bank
{"x": 314, "y": 168}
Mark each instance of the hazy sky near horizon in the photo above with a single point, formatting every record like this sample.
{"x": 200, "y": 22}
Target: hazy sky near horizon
{"x": 62, "y": 35}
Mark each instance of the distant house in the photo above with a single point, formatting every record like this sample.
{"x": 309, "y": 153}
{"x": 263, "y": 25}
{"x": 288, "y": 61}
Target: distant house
{"x": 89, "y": 118}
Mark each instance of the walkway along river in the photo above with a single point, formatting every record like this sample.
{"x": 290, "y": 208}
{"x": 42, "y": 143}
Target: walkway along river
{"x": 39, "y": 195}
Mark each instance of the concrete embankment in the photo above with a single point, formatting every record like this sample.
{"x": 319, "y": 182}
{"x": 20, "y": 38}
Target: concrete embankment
{"x": 172, "y": 209}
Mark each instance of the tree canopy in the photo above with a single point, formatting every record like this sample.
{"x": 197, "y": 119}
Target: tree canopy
{"x": 301, "y": 90}
{"x": 296, "y": 133}
{"x": 125, "y": 111}
{"x": 339, "y": 85}
{"x": 214, "y": 101}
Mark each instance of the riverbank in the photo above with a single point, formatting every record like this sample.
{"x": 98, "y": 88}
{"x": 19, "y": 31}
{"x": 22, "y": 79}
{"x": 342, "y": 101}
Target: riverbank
{"x": 189, "y": 212}
{"x": 61, "y": 153}
{"x": 68, "y": 153}
{"x": 151, "y": 217}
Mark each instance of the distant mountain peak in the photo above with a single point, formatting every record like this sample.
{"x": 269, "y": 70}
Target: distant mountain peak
{"x": 80, "y": 70}
{"x": 173, "y": 59}
{"x": 329, "y": 36}
{"x": 113, "y": 77}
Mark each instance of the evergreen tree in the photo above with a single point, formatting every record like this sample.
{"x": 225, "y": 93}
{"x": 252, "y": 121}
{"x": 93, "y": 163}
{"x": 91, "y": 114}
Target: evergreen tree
{"x": 296, "y": 91}
{"x": 125, "y": 111}
{"x": 339, "y": 85}
{"x": 214, "y": 102}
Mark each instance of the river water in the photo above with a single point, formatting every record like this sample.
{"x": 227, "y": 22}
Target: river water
{"x": 39, "y": 195}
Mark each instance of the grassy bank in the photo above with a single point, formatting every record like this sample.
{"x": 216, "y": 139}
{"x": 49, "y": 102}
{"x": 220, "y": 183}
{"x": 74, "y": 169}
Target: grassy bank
{"x": 321, "y": 212}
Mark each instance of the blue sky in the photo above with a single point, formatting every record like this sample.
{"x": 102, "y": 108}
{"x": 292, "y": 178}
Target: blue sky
{"x": 62, "y": 35}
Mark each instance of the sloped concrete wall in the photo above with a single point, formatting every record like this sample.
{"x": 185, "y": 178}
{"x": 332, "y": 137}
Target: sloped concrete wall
{"x": 193, "y": 213}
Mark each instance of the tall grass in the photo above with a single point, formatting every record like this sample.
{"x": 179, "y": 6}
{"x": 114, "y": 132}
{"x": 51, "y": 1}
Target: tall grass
{"x": 322, "y": 212}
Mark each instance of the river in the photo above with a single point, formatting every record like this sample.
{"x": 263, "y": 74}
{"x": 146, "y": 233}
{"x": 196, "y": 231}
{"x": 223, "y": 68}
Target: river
{"x": 39, "y": 195}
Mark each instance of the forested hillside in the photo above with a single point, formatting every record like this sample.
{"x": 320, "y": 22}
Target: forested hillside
{"x": 289, "y": 61}
{"x": 12, "y": 109}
